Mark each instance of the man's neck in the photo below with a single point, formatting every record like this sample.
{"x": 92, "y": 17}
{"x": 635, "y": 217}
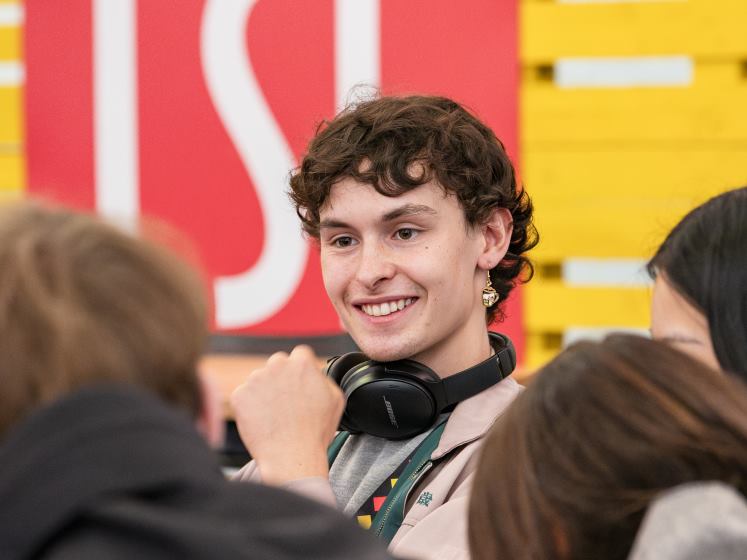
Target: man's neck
{"x": 458, "y": 355}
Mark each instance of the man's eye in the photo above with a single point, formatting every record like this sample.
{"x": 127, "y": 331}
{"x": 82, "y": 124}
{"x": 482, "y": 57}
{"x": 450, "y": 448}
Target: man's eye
{"x": 344, "y": 241}
{"x": 405, "y": 234}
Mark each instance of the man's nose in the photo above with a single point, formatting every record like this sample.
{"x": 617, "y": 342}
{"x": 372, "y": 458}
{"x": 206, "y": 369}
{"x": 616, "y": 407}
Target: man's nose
{"x": 376, "y": 265}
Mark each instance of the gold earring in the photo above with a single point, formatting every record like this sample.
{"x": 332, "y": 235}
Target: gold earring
{"x": 489, "y": 295}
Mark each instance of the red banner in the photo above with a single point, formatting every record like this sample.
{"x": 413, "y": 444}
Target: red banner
{"x": 195, "y": 112}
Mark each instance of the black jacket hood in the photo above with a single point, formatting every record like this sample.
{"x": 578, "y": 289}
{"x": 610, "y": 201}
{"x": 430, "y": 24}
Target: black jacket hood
{"x": 112, "y": 472}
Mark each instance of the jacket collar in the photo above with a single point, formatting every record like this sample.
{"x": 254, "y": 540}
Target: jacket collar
{"x": 473, "y": 417}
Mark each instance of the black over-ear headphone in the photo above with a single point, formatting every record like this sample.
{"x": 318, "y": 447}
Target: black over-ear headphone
{"x": 397, "y": 400}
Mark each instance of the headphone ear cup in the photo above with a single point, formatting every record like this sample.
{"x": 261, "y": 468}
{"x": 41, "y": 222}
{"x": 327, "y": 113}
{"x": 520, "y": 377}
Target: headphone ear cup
{"x": 390, "y": 400}
{"x": 339, "y": 366}
{"x": 338, "y": 370}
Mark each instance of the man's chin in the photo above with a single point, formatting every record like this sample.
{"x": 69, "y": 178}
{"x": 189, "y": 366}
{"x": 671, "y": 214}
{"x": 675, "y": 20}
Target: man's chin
{"x": 383, "y": 348}
{"x": 379, "y": 354}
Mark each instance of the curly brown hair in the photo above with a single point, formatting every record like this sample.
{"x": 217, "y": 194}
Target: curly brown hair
{"x": 377, "y": 141}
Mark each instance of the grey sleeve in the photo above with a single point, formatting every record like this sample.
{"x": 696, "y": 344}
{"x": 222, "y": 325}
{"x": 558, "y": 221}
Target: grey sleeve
{"x": 692, "y": 522}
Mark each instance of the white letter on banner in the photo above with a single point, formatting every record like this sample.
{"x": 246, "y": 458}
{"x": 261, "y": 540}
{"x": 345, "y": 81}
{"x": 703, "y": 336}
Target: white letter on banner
{"x": 258, "y": 293}
{"x": 357, "y": 48}
{"x": 115, "y": 110}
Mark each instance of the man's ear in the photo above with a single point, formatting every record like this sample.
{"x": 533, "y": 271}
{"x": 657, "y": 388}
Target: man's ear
{"x": 496, "y": 232}
{"x": 210, "y": 420}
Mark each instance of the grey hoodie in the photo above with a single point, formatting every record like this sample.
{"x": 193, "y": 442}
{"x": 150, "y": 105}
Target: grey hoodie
{"x": 697, "y": 521}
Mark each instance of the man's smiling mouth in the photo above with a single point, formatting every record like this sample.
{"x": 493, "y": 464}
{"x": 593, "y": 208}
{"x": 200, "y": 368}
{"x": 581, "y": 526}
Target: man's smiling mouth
{"x": 385, "y": 308}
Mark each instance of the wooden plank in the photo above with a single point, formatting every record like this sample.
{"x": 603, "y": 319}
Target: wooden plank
{"x": 621, "y": 203}
{"x": 701, "y": 28}
{"x": 712, "y": 110}
{"x": 682, "y": 172}
{"x": 630, "y": 229}
{"x": 10, "y": 43}
{"x": 10, "y": 116}
{"x": 551, "y": 307}
{"x": 12, "y": 172}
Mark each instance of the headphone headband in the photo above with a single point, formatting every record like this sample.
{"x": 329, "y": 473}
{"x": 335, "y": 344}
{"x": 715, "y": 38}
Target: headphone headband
{"x": 496, "y": 368}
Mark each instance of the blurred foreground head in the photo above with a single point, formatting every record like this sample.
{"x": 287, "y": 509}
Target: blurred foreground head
{"x": 82, "y": 302}
{"x": 570, "y": 469}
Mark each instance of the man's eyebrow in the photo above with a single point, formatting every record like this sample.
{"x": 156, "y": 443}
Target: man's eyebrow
{"x": 408, "y": 210}
{"x": 404, "y": 210}
{"x": 331, "y": 223}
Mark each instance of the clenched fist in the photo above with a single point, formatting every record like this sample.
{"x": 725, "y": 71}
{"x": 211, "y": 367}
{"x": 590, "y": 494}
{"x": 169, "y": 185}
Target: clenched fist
{"x": 287, "y": 413}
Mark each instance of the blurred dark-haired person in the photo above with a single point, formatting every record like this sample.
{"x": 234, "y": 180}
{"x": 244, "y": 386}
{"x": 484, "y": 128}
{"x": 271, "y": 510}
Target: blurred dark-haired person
{"x": 605, "y": 430}
{"x": 423, "y": 233}
{"x": 700, "y": 294}
{"x": 104, "y": 421}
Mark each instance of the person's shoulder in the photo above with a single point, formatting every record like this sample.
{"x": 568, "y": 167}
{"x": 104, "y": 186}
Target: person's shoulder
{"x": 313, "y": 529}
{"x": 234, "y": 520}
{"x": 692, "y": 521}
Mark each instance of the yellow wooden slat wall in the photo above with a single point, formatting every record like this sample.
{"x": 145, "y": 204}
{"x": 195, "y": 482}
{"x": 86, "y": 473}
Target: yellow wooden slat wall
{"x": 601, "y": 307}
{"x": 612, "y": 169}
{"x": 12, "y": 166}
{"x": 620, "y": 203}
{"x": 11, "y": 172}
{"x": 702, "y": 28}
{"x": 684, "y": 171}
{"x": 708, "y": 109}
{"x": 10, "y": 109}
{"x": 10, "y": 41}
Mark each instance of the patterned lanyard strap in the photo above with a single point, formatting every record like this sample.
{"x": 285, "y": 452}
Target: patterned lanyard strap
{"x": 384, "y": 510}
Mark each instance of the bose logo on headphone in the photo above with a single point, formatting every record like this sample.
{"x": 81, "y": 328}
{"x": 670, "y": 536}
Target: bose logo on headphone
{"x": 390, "y": 411}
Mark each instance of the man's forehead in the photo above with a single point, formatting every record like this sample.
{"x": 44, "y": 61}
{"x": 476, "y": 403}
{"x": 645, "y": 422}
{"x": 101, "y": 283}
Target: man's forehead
{"x": 348, "y": 194}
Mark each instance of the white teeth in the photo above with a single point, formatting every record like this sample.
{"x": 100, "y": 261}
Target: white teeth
{"x": 382, "y": 309}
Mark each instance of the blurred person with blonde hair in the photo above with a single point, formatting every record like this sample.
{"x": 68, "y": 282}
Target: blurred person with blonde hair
{"x": 100, "y": 335}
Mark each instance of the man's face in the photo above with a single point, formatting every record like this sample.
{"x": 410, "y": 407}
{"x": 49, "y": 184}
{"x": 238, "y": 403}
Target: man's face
{"x": 675, "y": 321}
{"x": 402, "y": 273}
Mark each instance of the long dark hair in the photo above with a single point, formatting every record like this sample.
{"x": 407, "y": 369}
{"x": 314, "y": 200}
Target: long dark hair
{"x": 704, "y": 258}
{"x": 569, "y": 470}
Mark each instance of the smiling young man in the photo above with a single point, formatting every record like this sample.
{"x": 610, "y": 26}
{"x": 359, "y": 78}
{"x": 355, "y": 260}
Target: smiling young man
{"x": 422, "y": 233}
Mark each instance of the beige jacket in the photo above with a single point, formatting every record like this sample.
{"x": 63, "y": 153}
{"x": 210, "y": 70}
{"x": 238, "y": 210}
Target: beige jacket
{"x": 435, "y": 527}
